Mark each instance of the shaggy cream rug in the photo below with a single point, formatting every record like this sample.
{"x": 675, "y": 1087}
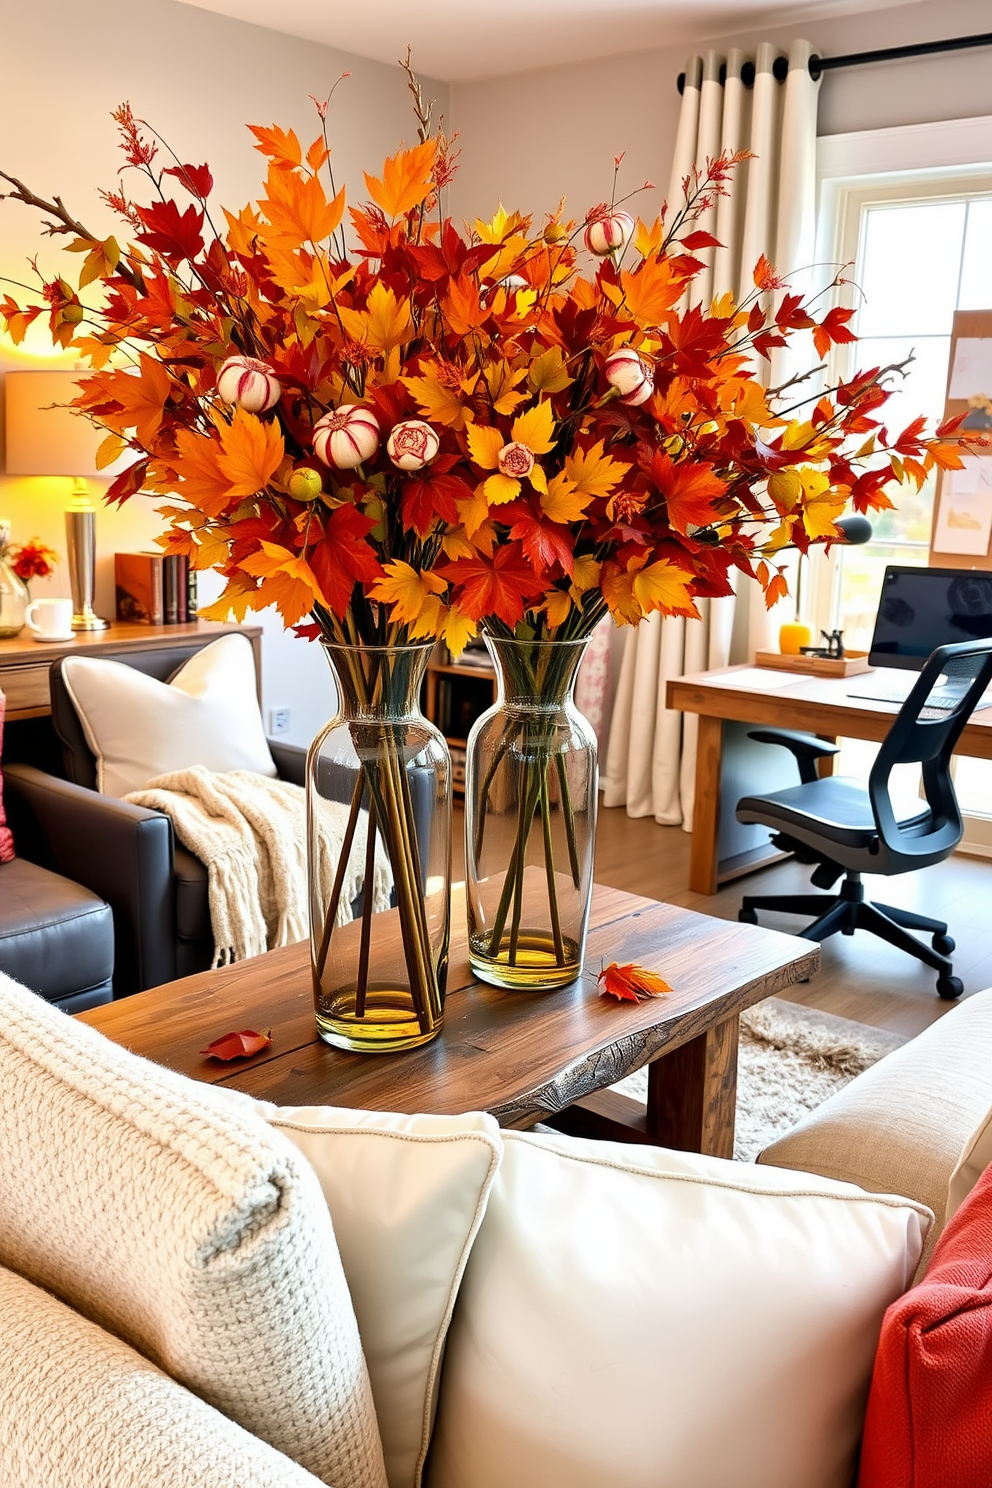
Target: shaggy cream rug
{"x": 791, "y": 1059}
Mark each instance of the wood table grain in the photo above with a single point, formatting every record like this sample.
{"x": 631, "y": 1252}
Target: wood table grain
{"x": 523, "y": 1056}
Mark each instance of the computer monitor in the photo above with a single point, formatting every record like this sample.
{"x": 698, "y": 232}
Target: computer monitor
{"x": 922, "y": 608}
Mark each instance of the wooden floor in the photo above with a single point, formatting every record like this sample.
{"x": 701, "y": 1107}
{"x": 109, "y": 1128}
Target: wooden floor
{"x": 861, "y": 977}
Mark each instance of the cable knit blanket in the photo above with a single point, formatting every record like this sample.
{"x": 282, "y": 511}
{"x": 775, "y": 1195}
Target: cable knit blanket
{"x": 249, "y": 831}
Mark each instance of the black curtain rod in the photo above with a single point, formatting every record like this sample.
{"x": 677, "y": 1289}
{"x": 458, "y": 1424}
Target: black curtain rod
{"x": 818, "y": 65}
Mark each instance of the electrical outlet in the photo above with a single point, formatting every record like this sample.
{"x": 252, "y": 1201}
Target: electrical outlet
{"x": 279, "y": 720}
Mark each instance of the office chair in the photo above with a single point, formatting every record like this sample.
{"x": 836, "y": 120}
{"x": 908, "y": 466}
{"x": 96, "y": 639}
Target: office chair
{"x": 848, "y": 830}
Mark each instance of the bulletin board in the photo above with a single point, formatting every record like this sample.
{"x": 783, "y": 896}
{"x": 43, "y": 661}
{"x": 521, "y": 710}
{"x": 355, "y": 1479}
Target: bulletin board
{"x": 961, "y": 536}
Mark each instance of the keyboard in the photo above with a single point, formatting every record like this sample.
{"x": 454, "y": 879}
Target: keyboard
{"x": 940, "y": 697}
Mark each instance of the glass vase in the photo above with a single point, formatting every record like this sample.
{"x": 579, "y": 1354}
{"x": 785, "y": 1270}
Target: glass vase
{"x": 379, "y": 828}
{"x": 14, "y": 599}
{"x": 530, "y": 819}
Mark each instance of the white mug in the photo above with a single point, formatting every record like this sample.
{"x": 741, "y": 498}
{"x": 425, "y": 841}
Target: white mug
{"x": 50, "y": 619}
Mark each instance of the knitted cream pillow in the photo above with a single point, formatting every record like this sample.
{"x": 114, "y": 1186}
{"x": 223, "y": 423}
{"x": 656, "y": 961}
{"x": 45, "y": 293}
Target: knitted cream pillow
{"x": 79, "y": 1409}
{"x": 652, "y": 1319}
{"x": 138, "y": 727}
{"x": 407, "y": 1195}
{"x": 189, "y": 1229}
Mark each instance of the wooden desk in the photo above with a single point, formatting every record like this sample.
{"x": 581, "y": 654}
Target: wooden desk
{"x": 523, "y": 1056}
{"x": 817, "y": 705}
{"x": 25, "y": 663}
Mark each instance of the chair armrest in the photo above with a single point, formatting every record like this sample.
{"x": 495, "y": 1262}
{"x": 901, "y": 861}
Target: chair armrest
{"x": 290, "y": 761}
{"x": 122, "y": 852}
{"x": 806, "y": 748}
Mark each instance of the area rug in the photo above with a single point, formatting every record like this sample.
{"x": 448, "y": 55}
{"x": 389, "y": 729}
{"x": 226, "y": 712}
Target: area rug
{"x": 791, "y": 1059}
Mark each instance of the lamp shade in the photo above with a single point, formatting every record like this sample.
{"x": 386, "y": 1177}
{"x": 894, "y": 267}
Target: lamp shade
{"x": 42, "y": 440}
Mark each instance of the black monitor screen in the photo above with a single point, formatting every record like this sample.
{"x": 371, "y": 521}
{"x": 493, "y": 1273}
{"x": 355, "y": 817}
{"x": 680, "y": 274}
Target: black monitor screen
{"x": 922, "y": 608}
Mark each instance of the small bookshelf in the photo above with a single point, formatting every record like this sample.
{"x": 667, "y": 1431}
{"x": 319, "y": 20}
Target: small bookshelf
{"x": 455, "y": 694}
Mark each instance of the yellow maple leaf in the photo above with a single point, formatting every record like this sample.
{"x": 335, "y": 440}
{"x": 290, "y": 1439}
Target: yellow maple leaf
{"x": 648, "y": 240}
{"x": 557, "y": 607}
{"x": 474, "y": 515}
{"x": 252, "y": 449}
{"x": 785, "y": 488}
{"x": 484, "y": 445}
{"x": 407, "y": 590}
{"x": 441, "y": 403}
{"x": 238, "y": 598}
{"x": 502, "y": 224}
{"x": 456, "y": 629}
{"x": 406, "y": 180}
{"x": 535, "y": 428}
{"x": 384, "y": 325}
{"x": 585, "y": 574}
{"x": 501, "y": 379}
{"x": 500, "y": 489}
{"x": 547, "y": 374}
{"x": 288, "y": 581}
{"x": 562, "y": 502}
{"x": 593, "y": 472}
{"x": 663, "y": 586}
{"x": 243, "y": 229}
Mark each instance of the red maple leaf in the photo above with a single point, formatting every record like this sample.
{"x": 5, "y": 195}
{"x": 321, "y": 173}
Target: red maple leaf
{"x": 433, "y": 495}
{"x": 343, "y": 558}
{"x": 196, "y": 178}
{"x": 630, "y": 982}
{"x": 170, "y": 233}
{"x": 545, "y": 543}
{"x": 238, "y": 1045}
{"x": 495, "y": 586}
{"x": 689, "y": 490}
{"x": 832, "y": 328}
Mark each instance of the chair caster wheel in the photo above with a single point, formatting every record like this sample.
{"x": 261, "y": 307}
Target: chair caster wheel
{"x": 747, "y": 916}
{"x": 943, "y": 945}
{"x": 950, "y": 987}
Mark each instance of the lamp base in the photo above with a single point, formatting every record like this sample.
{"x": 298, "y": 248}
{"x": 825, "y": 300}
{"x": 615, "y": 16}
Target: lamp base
{"x": 85, "y": 619}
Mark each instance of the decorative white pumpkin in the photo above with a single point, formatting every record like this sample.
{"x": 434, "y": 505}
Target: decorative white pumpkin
{"x": 245, "y": 382}
{"x": 629, "y": 375}
{"x": 515, "y": 460}
{"x": 412, "y": 444}
{"x": 346, "y": 437}
{"x": 609, "y": 234}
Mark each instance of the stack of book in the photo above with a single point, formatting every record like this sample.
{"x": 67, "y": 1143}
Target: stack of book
{"x": 155, "y": 588}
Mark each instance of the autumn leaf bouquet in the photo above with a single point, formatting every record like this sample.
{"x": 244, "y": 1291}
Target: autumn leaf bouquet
{"x": 398, "y": 431}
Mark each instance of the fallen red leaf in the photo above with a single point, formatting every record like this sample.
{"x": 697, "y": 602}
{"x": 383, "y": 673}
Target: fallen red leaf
{"x": 238, "y": 1045}
{"x": 630, "y": 983}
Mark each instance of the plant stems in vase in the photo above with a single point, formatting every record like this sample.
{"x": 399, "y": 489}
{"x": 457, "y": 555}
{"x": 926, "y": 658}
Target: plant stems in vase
{"x": 530, "y": 819}
{"x": 379, "y": 980}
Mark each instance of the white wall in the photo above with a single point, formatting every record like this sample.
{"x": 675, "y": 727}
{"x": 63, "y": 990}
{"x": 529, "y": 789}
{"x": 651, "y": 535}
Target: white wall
{"x": 531, "y": 137}
{"x": 200, "y": 79}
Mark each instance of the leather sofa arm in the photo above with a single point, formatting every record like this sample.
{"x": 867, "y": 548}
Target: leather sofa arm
{"x": 290, "y": 761}
{"x": 122, "y": 852}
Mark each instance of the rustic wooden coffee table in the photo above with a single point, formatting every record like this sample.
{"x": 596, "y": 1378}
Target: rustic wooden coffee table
{"x": 523, "y": 1056}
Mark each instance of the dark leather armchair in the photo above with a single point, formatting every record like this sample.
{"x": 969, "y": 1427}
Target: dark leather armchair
{"x": 126, "y": 854}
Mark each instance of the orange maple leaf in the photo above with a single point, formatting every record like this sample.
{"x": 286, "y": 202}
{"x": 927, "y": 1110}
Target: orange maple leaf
{"x": 493, "y": 586}
{"x": 630, "y": 983}
{"x": 689, "y": 490}
{"x": 142, "y": 397}
{"x": 651, "y": 291}
{"x": 406, "y": 180}
{"x": 201, "y": 480}
{"x": 282, "y": 148}
{"x": 298, "y": 209}
{"x": 238, "y": 1045}
{"x": 252, "y": 450}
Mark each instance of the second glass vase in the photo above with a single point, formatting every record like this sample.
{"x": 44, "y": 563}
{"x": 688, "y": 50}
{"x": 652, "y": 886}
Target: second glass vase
{"x": 530, "y": 820}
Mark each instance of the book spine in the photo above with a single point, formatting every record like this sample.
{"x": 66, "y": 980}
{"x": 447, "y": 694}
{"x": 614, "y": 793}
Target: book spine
{"x": 170, "y": 580}
{"x": 191, "y": 594}
{"x": 140, "y": 588}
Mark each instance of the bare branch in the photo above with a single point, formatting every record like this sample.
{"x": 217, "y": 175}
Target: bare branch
{"x": 64, "y": 223}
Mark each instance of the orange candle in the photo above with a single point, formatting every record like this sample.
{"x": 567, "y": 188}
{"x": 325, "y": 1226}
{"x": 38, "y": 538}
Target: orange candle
{"x": 793, "y": 636}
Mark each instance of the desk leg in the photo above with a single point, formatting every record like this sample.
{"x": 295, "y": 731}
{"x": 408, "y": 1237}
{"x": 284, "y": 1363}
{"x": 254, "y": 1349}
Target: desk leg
{"x": 703, "y": 849}
{"x": 692, "y": 1093}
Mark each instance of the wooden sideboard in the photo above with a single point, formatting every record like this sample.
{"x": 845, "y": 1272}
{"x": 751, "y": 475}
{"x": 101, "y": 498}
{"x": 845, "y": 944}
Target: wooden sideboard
{"x": 25, "y": 663}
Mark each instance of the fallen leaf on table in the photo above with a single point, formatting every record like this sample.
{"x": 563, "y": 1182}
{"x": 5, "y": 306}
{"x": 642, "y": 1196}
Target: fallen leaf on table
{"x": 238, "y": 1045}
{"x": 630, "y": 983}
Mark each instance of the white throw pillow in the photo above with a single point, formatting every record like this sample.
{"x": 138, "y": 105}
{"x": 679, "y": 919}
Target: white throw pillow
{"x": 82, "y": 1410}
{"x": 652, "y": 1319}
{"x": 138, "y": 727}
{"x": 406, "y": 1195}
{"x": 190, "y": 1230}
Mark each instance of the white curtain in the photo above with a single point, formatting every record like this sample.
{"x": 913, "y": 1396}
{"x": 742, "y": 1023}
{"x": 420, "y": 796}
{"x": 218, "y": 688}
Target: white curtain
{"x": 770, "y": 209}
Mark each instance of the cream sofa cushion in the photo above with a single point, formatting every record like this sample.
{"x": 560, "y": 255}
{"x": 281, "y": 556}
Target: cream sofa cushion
{"x": 138, "y": 727}
{"x": 82, "y": 1410}
{"x": 975, "y": 1158}
{"x": 406, "y": 1196}
{"x": 652, "y": 1319}
{"x": 901, "y": 1126}
{"x": 191, "y": 1230}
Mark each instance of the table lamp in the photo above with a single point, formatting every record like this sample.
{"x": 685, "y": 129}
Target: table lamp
{"x": 47, "y": 440}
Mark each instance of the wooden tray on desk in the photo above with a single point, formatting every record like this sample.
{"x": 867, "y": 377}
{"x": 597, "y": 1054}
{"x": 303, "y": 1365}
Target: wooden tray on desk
{"x": 815, "y": 666}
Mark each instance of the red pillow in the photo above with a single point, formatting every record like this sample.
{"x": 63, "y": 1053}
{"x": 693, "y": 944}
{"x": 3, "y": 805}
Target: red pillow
{"x": 929, "y": 1422}
{"x": 6, "y": 836}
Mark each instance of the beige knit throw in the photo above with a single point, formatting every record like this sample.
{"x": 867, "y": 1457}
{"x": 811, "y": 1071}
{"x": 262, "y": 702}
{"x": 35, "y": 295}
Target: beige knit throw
{"x": 249, "y": 831}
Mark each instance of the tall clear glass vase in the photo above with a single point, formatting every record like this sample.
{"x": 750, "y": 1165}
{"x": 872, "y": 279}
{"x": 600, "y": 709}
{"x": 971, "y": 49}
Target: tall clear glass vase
{"x": 530, "y": 819}
{"x": 379, "y": 829}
